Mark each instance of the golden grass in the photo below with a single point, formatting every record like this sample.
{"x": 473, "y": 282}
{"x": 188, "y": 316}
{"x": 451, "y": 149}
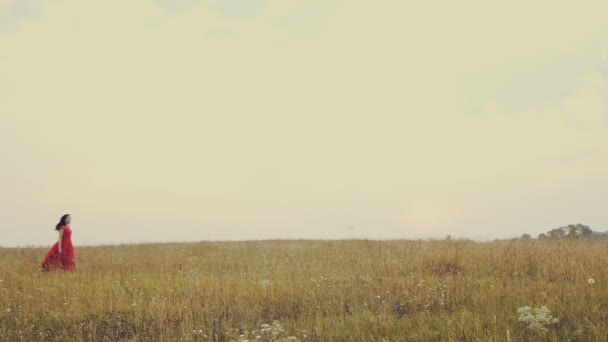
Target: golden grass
{"x": 316, "y": 290}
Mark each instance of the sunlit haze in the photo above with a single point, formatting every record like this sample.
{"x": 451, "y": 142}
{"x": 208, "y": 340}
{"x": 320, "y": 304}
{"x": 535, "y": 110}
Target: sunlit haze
{"x": 189, "y": 120}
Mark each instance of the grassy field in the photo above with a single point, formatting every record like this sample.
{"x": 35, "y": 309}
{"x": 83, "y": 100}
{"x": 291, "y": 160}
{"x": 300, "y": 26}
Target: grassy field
{"x": 311, "y": 291}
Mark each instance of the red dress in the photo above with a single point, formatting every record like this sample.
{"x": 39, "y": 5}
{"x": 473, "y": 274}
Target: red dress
{"x": 65, "y": 260}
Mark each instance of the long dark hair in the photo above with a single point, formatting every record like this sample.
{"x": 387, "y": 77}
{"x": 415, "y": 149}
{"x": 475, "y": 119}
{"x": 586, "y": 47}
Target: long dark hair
{"x": 62, "y": 221}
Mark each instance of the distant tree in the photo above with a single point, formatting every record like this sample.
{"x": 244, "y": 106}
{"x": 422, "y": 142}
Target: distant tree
{"x": 557, "y": 233}
{"x": 572, "y": 232}
{"x": 585, "y": 231}
{"x": 526, "y": 237}
{"x": 542, "y": 236}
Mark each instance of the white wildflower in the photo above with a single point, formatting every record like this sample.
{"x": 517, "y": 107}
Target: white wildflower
{"x": 276, "y": 325}
{"x": 591, "y": 280}
{"x": 264, "y": 326}
{"x": 536, "y": 319}
{"x": 524, "y": 309}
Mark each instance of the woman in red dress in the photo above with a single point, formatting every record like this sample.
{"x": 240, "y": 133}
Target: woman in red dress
{"x": 61, "y": 255}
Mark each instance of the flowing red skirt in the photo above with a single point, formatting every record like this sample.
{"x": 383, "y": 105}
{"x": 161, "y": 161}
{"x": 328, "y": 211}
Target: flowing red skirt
{"x": 54, "y": 260}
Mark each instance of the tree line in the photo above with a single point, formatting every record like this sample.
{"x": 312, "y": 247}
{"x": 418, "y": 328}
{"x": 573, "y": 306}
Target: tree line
{"x": 571, "y": 231}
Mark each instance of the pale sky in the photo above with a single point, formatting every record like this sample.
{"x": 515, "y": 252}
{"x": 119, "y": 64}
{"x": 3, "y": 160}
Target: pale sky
{"x": 188, "y": 120}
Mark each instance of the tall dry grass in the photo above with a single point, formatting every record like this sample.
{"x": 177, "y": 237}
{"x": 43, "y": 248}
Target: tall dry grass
{"x": 314, "y": 290}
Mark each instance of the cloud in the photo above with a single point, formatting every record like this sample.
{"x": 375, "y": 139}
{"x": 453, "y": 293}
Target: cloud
{"x": 589, "y": 106}
{"x": 14, "y": 11}
{"x": 228, "y": 8}
{"x": 584, "y": 105}
{"x": 238, "y": 8}
{"x": 177, "y": 6}
{"x": 527, "y": 143}
{"x": 538, "y": 82}
{"x": 307, "y": 17}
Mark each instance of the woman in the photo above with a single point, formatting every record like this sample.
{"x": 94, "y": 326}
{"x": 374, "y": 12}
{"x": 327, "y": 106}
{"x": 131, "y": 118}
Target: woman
{"x": 61, "y": 255}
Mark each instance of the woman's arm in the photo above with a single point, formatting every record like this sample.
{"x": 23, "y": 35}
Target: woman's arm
{"x": 60, "y": 238}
